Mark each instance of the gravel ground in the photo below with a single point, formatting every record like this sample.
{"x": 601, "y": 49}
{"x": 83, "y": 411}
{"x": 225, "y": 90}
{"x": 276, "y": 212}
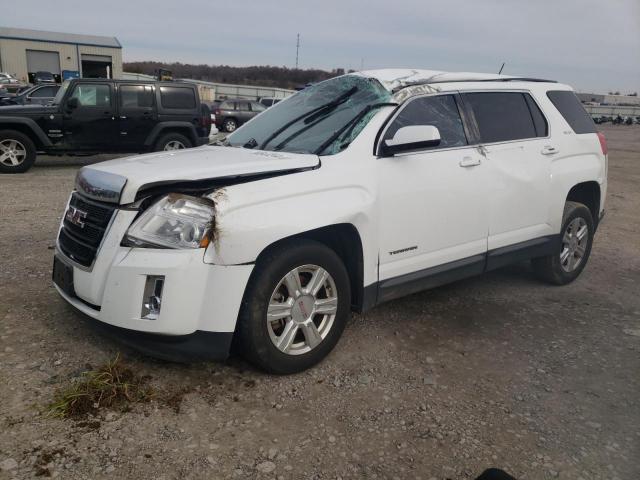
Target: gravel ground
{"x": 499, "y": 370}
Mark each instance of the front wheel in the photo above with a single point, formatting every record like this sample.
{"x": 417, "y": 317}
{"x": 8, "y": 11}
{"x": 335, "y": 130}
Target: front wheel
{"x": 575, "y": 246}
{"x": 17, "y": 152}
{"x": 295, "y": 307}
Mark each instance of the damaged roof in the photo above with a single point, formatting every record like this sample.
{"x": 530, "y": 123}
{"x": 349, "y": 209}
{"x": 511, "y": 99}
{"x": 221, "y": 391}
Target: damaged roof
{"x": 396, "y": 79}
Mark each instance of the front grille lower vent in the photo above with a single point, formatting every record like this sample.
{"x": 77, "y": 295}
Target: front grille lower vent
{"x": 84, "y": 225}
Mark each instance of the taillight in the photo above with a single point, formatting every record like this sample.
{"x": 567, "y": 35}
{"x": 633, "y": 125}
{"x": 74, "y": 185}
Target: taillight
{"x": 603, "y": 143}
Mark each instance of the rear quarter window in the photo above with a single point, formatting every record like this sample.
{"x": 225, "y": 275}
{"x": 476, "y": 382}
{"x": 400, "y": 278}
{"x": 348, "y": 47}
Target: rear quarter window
{"x": 182, "y": 98}
{"x": 572, "y": 110}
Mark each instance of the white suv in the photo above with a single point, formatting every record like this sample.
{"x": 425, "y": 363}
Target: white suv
{"x": 354, "y": 191}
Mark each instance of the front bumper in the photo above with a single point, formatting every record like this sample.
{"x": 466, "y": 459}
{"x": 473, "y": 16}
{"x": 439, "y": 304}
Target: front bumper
{"x": 196, "y": 346}
{"x": 200, "y": 301}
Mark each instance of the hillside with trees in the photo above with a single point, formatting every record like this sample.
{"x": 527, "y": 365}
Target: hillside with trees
{"x": 266, "y": 76}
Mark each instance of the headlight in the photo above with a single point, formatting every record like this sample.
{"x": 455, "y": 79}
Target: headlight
{"x": 174, "y": 221}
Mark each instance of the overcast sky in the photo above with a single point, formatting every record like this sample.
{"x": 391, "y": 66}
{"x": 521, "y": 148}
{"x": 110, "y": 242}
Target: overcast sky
{"x": 590, "y": 44}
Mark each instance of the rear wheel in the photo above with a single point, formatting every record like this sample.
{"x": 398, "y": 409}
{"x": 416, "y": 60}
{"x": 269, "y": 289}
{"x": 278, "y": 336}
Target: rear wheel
{"x": 17, "y": 152}
{"x": 229, "y": 125}
{"x": 295, "y": 307}
{"x": 575, "y": 246}
{"x": 172, "y": 141}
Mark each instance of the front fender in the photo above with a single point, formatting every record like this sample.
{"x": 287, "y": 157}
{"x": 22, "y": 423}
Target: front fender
{"x": 7, "y": 121}
{"x": 250, "y": 217}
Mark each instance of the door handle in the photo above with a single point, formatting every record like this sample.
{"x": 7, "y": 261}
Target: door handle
{"x": 123, "y": 117}
{"x": 469, "y": 162}
{"x": 549, "y": 150}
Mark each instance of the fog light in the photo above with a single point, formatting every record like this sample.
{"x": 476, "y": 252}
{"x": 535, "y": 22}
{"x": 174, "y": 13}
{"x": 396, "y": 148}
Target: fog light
{"x": 152, "y": 297}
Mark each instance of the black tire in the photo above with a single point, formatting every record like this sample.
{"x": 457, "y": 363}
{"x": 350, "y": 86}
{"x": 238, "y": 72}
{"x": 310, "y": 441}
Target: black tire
{"x": 167, "y": 138}
{"x": 252, "y": 334}
{"x": 550, "y": 269}
{"x": 26, "y": 145}
{"x": 229, "y": 125}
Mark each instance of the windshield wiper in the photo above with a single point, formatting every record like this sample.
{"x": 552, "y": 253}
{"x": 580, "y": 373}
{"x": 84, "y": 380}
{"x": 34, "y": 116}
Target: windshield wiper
{"x": 348, "y": 127}
{"x": 333, "y": 103}
{"x": 297, "y": 133}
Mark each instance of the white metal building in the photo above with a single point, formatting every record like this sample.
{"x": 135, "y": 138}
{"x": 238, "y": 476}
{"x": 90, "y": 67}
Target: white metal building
{"x": 221, "y": 91}
{"x": 66, "y": 55}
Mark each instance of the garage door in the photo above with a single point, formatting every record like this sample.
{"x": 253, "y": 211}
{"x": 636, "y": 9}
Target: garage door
{"x": 39, "y": 61}
{"x": 96, "y": 66}
{"x": 96, "y": 58}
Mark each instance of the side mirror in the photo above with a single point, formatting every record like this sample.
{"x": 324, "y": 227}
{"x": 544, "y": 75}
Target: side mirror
{"x": 72, "y": 104}
{"x": 413, "y": 137}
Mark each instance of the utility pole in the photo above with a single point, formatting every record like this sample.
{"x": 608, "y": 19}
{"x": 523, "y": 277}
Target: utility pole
{"x": 297, "y": 50}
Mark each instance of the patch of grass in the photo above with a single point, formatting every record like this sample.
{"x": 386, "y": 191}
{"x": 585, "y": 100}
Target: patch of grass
{"x": 113, "y": 385}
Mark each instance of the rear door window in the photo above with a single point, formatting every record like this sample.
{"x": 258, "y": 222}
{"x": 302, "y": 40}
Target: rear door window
{"x": 440, "y": 111}
{"x": 179, "y": 98}
{"x": 502, "y": 116}
{"x": 136, "y": 96}
{"x": 243, "y": 106}
{"x": 572, "y": 110}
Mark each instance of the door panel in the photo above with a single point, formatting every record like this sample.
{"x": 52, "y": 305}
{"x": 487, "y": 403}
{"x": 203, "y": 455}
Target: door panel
{"x": 137, "y": 115}
{"x": 519, "y": 201}
{"x": 513, "y": 133}
{"x": 433, "y": 202}
{"x": 432, "y": 210}
{"x": 92, "y": 126}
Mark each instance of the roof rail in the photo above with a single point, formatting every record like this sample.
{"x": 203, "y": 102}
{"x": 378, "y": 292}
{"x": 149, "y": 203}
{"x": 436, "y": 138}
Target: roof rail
{"x": 466, "y": 80}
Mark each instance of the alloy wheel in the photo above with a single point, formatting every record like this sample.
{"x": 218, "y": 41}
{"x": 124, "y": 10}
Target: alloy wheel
{"x": 12, "y": 152}
{"x": 302, "y": 309}
{"x": 174, "y": 145}
{"x": 574, "y": 244}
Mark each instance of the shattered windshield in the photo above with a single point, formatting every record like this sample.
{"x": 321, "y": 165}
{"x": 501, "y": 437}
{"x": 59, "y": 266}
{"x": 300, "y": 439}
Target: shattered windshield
{"x": 322, "y": 119}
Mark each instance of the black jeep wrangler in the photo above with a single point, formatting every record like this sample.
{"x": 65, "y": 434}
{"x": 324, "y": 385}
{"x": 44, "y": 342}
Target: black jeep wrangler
{"x": 91, "y": 116}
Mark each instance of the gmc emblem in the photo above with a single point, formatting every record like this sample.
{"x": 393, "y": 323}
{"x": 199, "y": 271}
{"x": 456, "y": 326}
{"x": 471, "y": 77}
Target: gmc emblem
{"x": 76, "y": 216}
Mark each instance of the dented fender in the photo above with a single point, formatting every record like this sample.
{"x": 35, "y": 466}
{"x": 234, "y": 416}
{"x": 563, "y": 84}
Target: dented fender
{"x": 246, "y": 224}
{"x": 252, "y": 216}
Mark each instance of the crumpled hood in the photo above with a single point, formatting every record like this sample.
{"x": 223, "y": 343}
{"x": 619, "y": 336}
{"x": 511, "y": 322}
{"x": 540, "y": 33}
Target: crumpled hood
{"x": 195, "y": 164}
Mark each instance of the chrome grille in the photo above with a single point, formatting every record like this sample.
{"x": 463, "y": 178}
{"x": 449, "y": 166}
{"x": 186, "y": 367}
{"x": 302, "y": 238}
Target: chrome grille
{"x": 83, "y": 228}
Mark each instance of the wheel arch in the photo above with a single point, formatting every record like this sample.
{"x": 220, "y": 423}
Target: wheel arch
{"x": 588, "y": 193}
{"x": 183, "y": 128}
{"x": 344, "y": 239}
{"x": 29, "y": 128}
